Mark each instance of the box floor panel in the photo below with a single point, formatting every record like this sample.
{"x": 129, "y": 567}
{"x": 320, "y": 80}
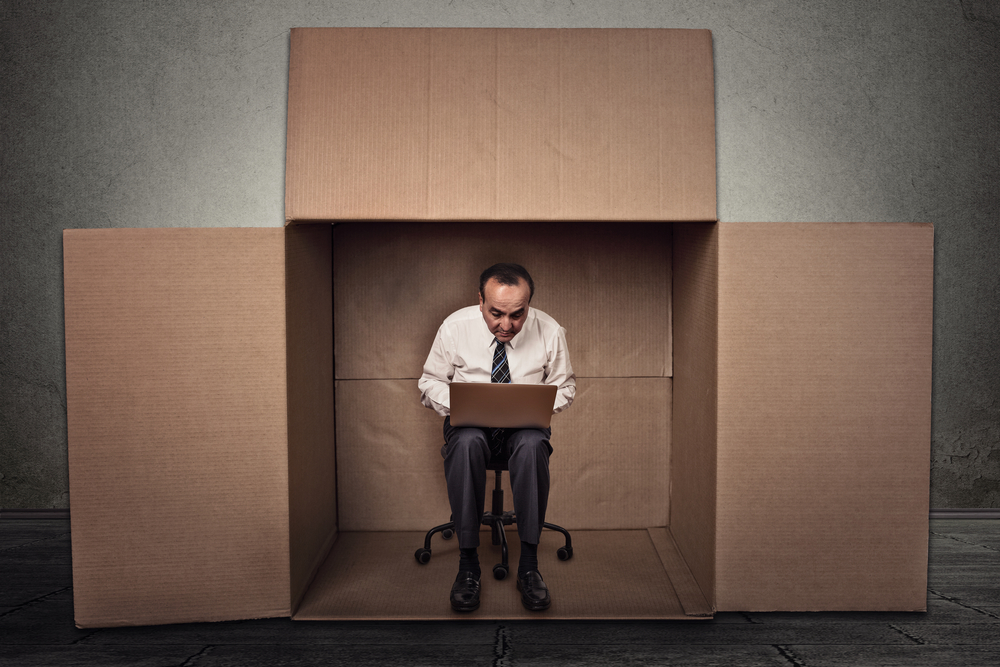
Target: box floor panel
{"x": 614, "y": 574}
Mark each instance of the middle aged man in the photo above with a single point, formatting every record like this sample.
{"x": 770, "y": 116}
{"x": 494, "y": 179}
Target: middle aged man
{"x": 502, "y": 341}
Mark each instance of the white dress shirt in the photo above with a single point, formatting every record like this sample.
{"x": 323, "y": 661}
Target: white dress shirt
{"x": 463, "y": 352}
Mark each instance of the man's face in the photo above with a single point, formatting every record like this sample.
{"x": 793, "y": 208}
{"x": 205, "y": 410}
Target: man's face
{"x": 504, "y": 308}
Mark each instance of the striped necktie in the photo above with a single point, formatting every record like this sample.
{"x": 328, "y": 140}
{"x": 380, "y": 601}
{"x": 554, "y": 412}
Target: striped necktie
{"x": 500, "y": 373}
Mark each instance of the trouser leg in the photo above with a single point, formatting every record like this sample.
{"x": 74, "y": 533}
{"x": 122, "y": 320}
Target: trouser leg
{"x": 466, "y": 452}
{"x": 529, "y": 479}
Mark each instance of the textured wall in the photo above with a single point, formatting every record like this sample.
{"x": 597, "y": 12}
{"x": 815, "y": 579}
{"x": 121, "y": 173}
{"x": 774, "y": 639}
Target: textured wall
{"x": 134, "y": 114}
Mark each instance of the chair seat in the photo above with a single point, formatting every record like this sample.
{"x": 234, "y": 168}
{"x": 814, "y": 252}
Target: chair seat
{"x": 498, "y": 463}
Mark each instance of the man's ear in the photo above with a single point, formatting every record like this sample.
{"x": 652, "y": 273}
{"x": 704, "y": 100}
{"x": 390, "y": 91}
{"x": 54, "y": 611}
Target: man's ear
{"x": 480, "y": 301}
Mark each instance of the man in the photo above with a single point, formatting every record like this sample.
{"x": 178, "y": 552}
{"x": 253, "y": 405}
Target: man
{"x": 503, "y": 341}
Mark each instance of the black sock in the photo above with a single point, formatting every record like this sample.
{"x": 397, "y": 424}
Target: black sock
{"x": 468, "y": 561}
{"x": 529, "y": 559}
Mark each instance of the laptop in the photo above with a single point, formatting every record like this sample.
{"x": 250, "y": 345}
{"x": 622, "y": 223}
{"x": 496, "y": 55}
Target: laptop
{"x": 502, "y": 405}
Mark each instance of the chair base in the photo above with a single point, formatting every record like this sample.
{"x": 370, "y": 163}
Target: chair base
{"x": 496, "y": 523}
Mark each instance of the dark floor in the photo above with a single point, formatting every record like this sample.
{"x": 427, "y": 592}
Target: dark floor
{"x": 961, "y": 627}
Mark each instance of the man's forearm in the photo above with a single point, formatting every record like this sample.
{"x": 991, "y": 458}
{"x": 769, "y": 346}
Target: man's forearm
{"x": 435, "y": 395}
{"x": 565, "y": 396}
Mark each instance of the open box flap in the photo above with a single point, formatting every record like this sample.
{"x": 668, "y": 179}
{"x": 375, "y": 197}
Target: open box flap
{"x": 824, "y": 397}
{"x": 178, "y": 445}
{"x": 500, "y": 124}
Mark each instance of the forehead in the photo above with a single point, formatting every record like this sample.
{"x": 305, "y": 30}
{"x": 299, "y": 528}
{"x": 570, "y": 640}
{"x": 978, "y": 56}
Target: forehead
{"x": 506, "y": 298}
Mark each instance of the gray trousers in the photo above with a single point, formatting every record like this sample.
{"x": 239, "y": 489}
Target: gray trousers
{"x": 466, "y": 452}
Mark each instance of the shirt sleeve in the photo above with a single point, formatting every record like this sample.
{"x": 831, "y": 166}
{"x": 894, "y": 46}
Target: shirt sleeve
{"x": 438, "y": 372}
{"x": 560, "y": 371}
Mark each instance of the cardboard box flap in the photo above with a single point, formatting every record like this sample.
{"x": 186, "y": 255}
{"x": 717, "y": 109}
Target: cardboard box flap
{"x": 824, "y": 390}
{"x": 500, "y": 124}
{"x": 176, "y": 402}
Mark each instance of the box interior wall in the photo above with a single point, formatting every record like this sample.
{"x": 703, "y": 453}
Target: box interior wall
{"x": 608, "y": 286}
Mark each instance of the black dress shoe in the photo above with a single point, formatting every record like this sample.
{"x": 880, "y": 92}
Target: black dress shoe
{"x": 534, "y": 592}
{"x": 465, "y": 592}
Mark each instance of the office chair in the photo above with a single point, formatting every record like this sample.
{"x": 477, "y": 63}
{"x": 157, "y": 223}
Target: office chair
{"x": 496, "y": 519}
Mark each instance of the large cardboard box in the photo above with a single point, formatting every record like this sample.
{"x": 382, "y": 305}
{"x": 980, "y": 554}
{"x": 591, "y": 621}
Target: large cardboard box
{"x": 752, "y": 424}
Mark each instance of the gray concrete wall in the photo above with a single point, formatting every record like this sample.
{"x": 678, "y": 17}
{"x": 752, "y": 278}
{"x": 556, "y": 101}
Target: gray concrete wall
{"x": 130, "y": 114}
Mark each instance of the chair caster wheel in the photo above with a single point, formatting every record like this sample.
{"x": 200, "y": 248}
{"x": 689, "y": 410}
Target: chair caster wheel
{"x": 447, "y": 533}
{"x": 499, "y": 571}
{"x": 564, "y": 553}
{"x": 422, "y": 555}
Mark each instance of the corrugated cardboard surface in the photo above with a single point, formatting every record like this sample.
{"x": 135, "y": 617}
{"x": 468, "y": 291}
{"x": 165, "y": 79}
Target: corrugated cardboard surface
{"x": 609, "y": 467}
{"x": 695, "y": 404}
{"x": 373, "y": 576}
{"x": 607, "y": 285}
{"x": 824, "y": 416}
{"x": 175, "y": 373}
{"x": 500, "y": 124}
{"x": 312, "y": 481}
{"x": 612, "y": 470}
